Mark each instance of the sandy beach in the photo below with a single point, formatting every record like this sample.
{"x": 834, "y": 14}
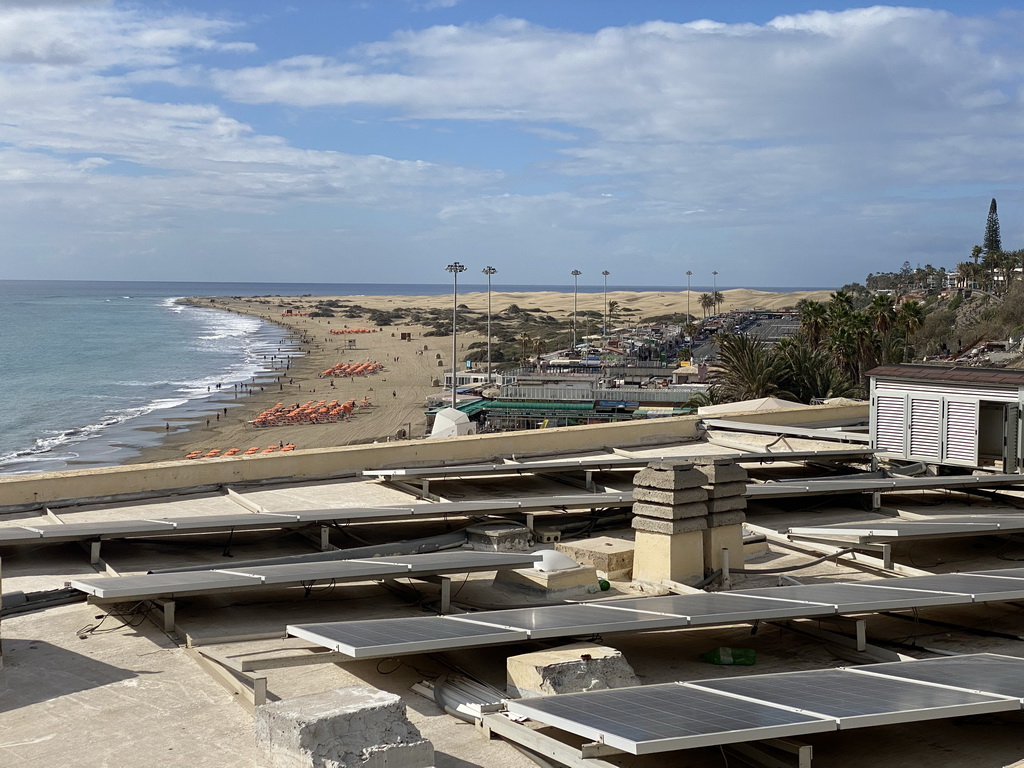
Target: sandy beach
{"x": 411, "y": 368}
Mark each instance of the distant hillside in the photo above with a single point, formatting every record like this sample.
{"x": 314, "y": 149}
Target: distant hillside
{"x": 956, "y": 320}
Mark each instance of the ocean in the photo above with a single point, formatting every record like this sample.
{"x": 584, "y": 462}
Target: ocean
{"x": 94, "y": 370}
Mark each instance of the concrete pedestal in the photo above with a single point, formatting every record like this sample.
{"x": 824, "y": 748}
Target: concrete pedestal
{"x": 355, "y": 727}
{"x": 612, "y": 557}
{"x": 675, "y": 556}
{"x": 568, "y": 582}
{"x": 499, "y": 537}
{"x": 726, "y": 536}
{"x": 568, "y": 669}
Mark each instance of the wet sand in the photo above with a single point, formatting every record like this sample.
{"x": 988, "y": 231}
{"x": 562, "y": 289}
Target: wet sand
{"x": 399, "y": 391}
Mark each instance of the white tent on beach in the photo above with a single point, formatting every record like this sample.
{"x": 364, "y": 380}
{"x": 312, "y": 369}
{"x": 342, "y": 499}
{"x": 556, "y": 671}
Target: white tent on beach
{"x": 451, "y": 422}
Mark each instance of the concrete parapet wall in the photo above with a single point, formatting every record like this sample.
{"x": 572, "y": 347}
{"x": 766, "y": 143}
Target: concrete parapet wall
{"x": 159, "y": 478}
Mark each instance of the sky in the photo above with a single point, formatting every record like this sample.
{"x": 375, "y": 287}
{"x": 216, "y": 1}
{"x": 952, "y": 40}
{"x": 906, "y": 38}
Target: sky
{"x": 779, "y": 144}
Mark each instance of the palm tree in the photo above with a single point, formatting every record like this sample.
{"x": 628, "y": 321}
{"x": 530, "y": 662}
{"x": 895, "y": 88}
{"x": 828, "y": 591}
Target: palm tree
{"x": 813, "y": 321}
{"x": 613, "y": 307}
{"x": 909, "y": 318}
{"x": 707, "y": 301}
{"x": 749, "y": 369}
{"x": 525, "y": 339}
{"x": 719, "y": 298}
{"x": 539, "y": 348}
{"x": 882, "y": 313}
{"x": 964, "y": 272}
{"x": 809, "y": 374}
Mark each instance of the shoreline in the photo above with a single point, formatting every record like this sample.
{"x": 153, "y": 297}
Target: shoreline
{"x": 399, "y": 390}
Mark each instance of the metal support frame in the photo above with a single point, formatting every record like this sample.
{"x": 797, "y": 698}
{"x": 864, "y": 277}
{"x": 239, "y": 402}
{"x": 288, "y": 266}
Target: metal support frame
{"x": 853, "y": 559}
{"x": 303, "y": 656}
{"x": 857, "y": 643}
{"x": 166, "y": 609}
{"x": 587, "y": 756}
{"x": 882, "y": 548}
{"x": 325, "y": 539}
{"x": 759, "y": 754}
{"x": 446, "y": 589}
{"x": 250, "y": 691}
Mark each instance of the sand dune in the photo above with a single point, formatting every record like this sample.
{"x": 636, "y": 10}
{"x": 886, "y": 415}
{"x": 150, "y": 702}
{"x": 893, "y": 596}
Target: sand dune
{"x": 411, "y": 367}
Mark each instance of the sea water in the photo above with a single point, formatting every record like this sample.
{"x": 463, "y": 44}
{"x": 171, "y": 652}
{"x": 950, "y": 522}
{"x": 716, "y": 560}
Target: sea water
{"x": 93, "y": 371}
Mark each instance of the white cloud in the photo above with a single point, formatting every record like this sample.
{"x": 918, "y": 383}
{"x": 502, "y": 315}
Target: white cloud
{"x": 651, "y": 142}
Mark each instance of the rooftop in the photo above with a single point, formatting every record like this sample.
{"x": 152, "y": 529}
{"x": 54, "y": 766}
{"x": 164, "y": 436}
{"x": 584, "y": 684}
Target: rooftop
{"x": 107, "y": 684}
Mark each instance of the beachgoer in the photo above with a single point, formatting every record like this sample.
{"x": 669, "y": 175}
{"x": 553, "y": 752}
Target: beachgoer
{"x": 394, "y": 394}
{"x": 207, "y": 422}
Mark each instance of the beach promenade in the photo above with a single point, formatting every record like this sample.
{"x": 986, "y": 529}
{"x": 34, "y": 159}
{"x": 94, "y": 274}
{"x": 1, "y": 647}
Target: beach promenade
{"x": 396, "y": 392}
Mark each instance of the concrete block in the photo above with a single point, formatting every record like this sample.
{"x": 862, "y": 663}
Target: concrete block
{"x": 350, "y": 727}
{"x": 612, "y": 557}
{"x": 722, "y": 472}
{"x": 718, "y": 519}
{"x": 728, "y": 504}
{"x": 669, "y": 480}
{"x": 723, "y": 537}
{"x": 569, "y": 582}
{"x": 721, "y": 490}
{"x": 659, "y": 556}
{"x": 669, "y": 526}
{"x": 667, "y": 512}
{"x": 680, "y": 496}
{"x": 499, "y": 537}
{"x": 568, "y": 669}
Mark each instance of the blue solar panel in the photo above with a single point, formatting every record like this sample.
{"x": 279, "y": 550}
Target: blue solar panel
{"x": 856, "y": 699}
{"x": 657, "y": 718}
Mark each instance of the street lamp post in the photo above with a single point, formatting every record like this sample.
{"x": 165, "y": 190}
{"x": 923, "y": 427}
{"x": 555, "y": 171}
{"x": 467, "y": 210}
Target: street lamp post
{"x": 455, "y": 267}
{"x": 714, "y": 289}
{"x": 489, "y": 271}
{"x": 604, "y": 328}
{"x": 575, "y": 283}
{"x": 689, "y": 320}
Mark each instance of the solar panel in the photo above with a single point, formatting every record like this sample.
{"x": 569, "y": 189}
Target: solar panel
{"x": 860, "y": 597}
{"x": 1003, "y": 573}
{"x": 460, "y": 560}
{"x": 985, "y": 672}
{"x": 658, "y": 718}
{"x": 898, "y": 529}
{"x": 78, "y": 531}
{"x": 337, "y": 570}
{"x": 196, "y": 582}
{"x": 980, "y": 588}
{"x": 608, "y": 462}
{"x": 15, "y": 534}
{"x": 386, "y": 637}
{"x": 721, "y": 607}
{"x": 563, "y": 620}
{"x": 162, "y": 584}
{"x": 858, "y": 700}
{"x": 707, "y": 609}
{"x": 224, "y": 521}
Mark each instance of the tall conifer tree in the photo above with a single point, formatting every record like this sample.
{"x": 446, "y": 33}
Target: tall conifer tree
{"x": 993, "y": 242}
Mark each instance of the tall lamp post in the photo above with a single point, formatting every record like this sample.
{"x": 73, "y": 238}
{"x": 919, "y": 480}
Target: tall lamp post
{"x": 714, "y": 289}
{"x": 455, "y": 267}
{"x": 689, "y": 320}
{"x": 575, "y": 283}
{"x": 604, "y": 329}
{"x": 488, "y": 271}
